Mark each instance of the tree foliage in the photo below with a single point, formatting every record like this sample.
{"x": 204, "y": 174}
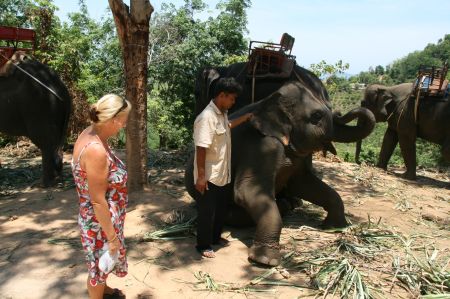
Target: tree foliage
{"x": 15, "y": 13}
{"x": 180, "y": 45}
{"x": 405, "y": 69}
{"x": 331, "y": 74}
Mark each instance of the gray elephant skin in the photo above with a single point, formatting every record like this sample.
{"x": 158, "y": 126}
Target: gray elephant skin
{"x": 272, "y": 161}
{"x": 394, "y": 105}
{"x": 29, "y": 109}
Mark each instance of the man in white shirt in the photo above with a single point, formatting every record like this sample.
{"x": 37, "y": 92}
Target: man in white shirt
{"x": 212, "y": 164}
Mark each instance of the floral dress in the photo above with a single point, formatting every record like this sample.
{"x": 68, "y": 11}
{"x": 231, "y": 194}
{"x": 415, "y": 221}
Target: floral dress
{"x": 93, "y": 238}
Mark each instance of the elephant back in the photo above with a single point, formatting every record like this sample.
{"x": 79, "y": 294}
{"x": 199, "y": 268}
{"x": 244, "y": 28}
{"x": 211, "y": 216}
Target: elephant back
{"x": 252, "y": 91}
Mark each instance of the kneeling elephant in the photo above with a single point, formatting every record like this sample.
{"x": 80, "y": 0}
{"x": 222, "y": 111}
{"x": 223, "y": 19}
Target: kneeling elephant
{"x": 272, "y": 154}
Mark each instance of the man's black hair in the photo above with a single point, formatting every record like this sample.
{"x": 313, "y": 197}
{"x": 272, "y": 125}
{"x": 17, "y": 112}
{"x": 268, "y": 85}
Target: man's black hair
{"x": 227, "y": 85}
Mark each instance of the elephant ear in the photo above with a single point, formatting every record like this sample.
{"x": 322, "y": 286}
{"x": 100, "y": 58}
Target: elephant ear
{"x": 209, "y": 76}
{"x": 203, "y": 88}
{"x": 271, "y": 119}
{"x": 384, "y": 97}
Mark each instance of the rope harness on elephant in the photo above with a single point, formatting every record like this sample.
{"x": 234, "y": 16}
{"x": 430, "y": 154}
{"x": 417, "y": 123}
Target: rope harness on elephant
{"x": 32, "y": 77}
{"x": 396, "y": 108}
{"x": 253, "y": 81}
{"x": 416, "y": 104}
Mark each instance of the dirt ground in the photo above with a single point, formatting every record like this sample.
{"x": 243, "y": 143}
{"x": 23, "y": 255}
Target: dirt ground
{"x": 41, "y": 257}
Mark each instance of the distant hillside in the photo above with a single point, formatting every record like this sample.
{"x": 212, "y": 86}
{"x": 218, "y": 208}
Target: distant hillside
{"x": 405, "y": 69}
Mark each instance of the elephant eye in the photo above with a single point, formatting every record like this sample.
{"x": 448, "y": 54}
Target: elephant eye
{"x": 316, "y": 117}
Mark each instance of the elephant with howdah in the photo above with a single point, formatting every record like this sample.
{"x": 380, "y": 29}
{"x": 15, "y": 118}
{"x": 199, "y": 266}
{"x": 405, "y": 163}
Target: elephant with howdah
{"x": 272, "y": 158}
{"x": 396, "y": 106}
{"x": 28, "y": 108}
{"x": 252, "y": 92}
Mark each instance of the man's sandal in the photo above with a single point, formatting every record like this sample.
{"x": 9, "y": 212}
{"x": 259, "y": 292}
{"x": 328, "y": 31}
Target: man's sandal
{"x": 207, "y": 253}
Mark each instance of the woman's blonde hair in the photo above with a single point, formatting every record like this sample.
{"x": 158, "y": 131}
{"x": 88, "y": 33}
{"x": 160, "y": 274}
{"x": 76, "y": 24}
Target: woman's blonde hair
{"x": 109, "y": 106}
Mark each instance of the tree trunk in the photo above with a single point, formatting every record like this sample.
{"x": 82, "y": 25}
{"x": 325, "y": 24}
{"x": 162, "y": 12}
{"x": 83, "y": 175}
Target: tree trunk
{"x": 133, "y": 31}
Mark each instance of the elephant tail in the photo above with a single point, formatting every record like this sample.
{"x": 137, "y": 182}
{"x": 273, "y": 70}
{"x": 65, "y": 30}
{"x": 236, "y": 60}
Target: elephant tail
{"x": 66, "y": 110}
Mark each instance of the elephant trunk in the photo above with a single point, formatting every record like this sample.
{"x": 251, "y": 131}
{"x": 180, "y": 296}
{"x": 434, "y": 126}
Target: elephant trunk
{"x": 344, "y": 133}
{"x": 358, "y": 151}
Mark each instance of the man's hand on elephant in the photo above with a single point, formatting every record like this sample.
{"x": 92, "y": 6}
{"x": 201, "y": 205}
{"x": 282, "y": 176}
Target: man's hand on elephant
{"x": 243, "y": 118}
{"x": 201, "y": 185}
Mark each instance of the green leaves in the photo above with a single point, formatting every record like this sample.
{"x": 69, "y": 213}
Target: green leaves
{"x": 329, "y": 73}
{"x": 180, "y": 45}
{"x": 405, "y": 69}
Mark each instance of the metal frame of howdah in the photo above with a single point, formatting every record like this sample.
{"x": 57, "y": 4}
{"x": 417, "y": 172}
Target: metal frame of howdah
{"x": 14, "y": 39}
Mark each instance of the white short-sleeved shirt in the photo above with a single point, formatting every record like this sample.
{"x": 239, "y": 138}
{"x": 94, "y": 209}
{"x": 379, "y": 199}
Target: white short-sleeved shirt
{"x": 211, "y": 131}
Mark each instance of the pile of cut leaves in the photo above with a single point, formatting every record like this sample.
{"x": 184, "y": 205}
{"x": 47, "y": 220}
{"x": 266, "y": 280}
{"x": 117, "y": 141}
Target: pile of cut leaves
{"x": 362, "y": 261}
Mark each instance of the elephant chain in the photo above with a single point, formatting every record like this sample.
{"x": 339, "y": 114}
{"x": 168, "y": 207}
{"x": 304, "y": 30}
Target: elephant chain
{"x": 269, "y": 245}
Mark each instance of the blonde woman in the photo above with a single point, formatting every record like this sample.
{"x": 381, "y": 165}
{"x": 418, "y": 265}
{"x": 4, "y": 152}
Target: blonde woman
{"x": 100, "y": 179}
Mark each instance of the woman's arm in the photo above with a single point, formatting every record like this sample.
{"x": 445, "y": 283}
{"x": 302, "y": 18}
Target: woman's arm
{"x": 95, "y": 163}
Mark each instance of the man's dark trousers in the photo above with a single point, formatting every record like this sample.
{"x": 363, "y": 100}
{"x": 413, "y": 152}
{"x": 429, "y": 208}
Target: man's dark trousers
{"x": 211, "y": 210}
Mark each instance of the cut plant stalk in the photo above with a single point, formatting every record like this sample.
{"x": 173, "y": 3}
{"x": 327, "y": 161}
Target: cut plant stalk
{"x": 172, "y": 232}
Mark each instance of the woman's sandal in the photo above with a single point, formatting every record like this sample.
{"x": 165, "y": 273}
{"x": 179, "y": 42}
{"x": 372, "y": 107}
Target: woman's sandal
{"x": 116, "y": 294}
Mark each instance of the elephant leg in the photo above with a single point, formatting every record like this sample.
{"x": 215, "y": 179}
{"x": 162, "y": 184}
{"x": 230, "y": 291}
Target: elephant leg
{"x": 261, "y": 206}
{"x": 49, "y": 169}
{"x": 358, "y": 152}
{"x": 445, "y": 150}
{"x": 51, "y": 158}
{"x": 58, "y": 162}
{"x": 286, "y": 203}
{"x": 238, "y": 217}
{"x": 408, "y": 149}
{"x": 390, "y": 141}
{"x": 314, "y": 190}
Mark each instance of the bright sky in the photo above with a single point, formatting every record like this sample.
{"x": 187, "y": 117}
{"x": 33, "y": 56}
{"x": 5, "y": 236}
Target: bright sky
{"x": 362, "y": 33}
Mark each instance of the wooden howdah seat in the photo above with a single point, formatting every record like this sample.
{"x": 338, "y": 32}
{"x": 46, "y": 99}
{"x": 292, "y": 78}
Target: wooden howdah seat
{"x": 431, "y": 81}
{"x": 271, "y": 59}
{"x": 14, "y": 39}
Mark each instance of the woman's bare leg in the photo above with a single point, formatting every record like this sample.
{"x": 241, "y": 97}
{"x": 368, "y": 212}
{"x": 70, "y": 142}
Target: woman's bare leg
{"x": 97, "y": 291}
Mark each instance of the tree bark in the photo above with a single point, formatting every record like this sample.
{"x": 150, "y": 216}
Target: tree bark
{"x": 133, "y": 30}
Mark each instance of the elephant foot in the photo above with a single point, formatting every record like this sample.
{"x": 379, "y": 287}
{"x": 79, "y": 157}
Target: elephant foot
{"x": 286, "y": 205}
{"x": 334, "y": 222}
{"x": 409, "y": 176}
{"x": 382, "y": 166}
{"x": 49, "y": 182}
{"x": 266, "y": 254}
{"x": 296, "y": 202}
